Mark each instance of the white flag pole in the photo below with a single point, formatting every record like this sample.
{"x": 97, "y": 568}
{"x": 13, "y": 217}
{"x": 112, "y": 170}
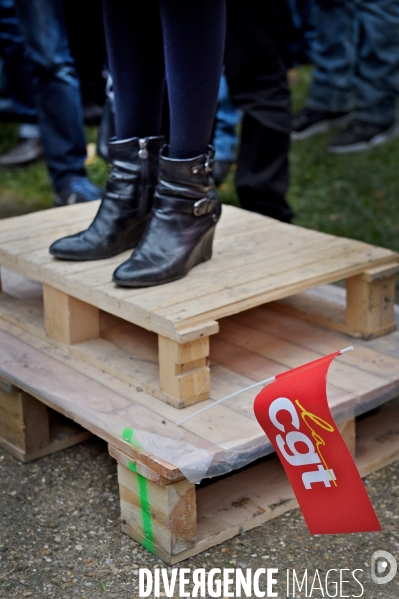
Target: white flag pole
{"x": 265, "y": 382}
{"x": 343, "y": 351}
{"x": 215, "y": 403}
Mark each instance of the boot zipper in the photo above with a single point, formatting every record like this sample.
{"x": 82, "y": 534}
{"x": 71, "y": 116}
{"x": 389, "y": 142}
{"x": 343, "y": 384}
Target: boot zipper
{"x": 143, "y": 155}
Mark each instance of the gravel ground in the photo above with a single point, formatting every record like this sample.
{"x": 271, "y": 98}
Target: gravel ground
{"x": 60, "y": 535}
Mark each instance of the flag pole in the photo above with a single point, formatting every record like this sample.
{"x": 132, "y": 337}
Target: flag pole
{"x": 265, "y": 382}
{"x": 215, "y": 403}
{"x": 343, "y": 351}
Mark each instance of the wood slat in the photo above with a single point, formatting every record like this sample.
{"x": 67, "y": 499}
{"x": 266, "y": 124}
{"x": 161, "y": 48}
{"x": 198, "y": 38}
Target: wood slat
{"x": 52, "y": 217}
{"x": 229, "y": 248}
{"x": 310, "y": 335}
{"x": 229, "y": 300}
{"x": 286, "y": 352}
{"x": 301, "y": 259}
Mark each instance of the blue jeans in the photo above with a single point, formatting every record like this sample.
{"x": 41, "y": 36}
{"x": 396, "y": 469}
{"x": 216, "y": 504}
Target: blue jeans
{"x": 225, "y": 139}
{"x": 301, "y": 32}
{"x": 16, "y": 91}
{"x": 356, "y": 56}
{"x": 59, "y": 107}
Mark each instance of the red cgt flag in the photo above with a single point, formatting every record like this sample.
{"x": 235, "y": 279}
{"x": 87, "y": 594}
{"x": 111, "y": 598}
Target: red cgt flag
{"x": 294, "y": 413}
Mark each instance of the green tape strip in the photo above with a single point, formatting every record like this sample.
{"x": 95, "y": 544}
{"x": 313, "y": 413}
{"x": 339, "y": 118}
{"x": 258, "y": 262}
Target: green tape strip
{"x": 127, "y": 435}
{"x": 145, "y": 509}
{"x": 148, "y": 542}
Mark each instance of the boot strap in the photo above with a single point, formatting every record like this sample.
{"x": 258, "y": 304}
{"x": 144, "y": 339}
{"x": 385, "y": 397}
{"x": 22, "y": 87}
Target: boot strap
{"x": 197, "y": 208}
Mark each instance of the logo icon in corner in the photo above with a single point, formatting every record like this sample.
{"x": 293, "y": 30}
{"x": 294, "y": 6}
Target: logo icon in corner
{"x": 383, "y": 567}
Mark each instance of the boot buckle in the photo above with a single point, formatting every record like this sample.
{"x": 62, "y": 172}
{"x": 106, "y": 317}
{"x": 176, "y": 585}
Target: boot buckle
{"x": 203, "y": 206}
{"x": 143, "y": 152}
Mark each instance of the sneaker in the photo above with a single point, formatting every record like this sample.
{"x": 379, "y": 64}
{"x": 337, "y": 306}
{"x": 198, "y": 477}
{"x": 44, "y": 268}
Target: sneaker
{"x": 77, "y": 191}
{"x": 25, "y": 152}
{"x": 309, "y": 122}
{"x": 360, "y": 136}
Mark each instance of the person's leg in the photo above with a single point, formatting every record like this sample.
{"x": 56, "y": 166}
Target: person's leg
{"x": 225, "y": 136}
{"x": 334, "y": 55}
{"x": 193, "y": 41}
{"x": 189, "y": 40}
{"x": 227, "y": 118}
{"x": 57, "y": 88}
{"x": 298, "y": 31}
{"x": 377, "y": 76}
{"x": 138, "y": 82}
{"x": 186, "y": 205}
{"x": 87, "y": 45}
{"x": 17, "y": 99}
{"x": 136, "y": 63}
{"x": 377, "y": 79}
{"x": 256, "y": 75}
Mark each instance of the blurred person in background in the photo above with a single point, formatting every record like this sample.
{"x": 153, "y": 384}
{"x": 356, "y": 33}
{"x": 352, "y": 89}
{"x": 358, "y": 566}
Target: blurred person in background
{"x": 298, "y": 31}
{"x": 17, "y": 100}
{"x": 256, "y": 73}
{"x": 225, "y": 135}
{"x": 57, "y": 97}
{"x": 356, "y": 76}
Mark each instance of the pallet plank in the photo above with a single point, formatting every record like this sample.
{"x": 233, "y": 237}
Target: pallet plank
{"x": 242, "y": 297}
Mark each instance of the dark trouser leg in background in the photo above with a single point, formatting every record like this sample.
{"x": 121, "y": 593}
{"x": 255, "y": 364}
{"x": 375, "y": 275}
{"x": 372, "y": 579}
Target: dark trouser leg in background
{"x": 256, "y": 75}
{"x": 334, "y": 55}
{"x": 186, "y": 206}
{"x": 377, "y": 75}
{"x": 58, "y": 101}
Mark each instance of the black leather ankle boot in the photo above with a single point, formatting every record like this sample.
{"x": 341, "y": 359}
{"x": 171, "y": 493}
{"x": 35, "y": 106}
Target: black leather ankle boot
{"x": 180, "y": 232}
{"x": 125, "y": 206}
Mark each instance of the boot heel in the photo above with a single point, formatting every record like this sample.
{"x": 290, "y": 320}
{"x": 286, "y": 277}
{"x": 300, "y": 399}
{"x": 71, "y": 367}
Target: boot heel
{"x": 207, "y": 244}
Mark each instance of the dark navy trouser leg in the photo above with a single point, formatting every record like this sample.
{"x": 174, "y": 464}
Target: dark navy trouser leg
{"x": 176, "y": 42}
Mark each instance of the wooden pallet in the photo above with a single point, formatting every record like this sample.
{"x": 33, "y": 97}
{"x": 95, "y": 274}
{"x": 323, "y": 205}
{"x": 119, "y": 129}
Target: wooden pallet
{"x": 256, "y": 260}
{"x": 176, "y": 519}
{"x": 120, "y": 362}
{"x": 167, "y": 513}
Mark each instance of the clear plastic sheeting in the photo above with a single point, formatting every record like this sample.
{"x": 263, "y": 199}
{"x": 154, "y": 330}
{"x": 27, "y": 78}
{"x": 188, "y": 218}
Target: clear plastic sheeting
{"x": 31, "y": 372}
{"x": 214, "y": 442}
{"x": 98, "y": 408}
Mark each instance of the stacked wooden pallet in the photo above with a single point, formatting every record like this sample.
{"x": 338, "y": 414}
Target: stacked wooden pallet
{"x": 256, "y": 260}
{"x": 122, "y": 363}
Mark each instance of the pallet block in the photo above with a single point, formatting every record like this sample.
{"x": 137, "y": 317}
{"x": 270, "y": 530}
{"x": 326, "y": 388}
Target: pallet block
{"x": 256, "y": 260}
{"x": 68, "y": 319}
{"x": 30, "y": 430}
